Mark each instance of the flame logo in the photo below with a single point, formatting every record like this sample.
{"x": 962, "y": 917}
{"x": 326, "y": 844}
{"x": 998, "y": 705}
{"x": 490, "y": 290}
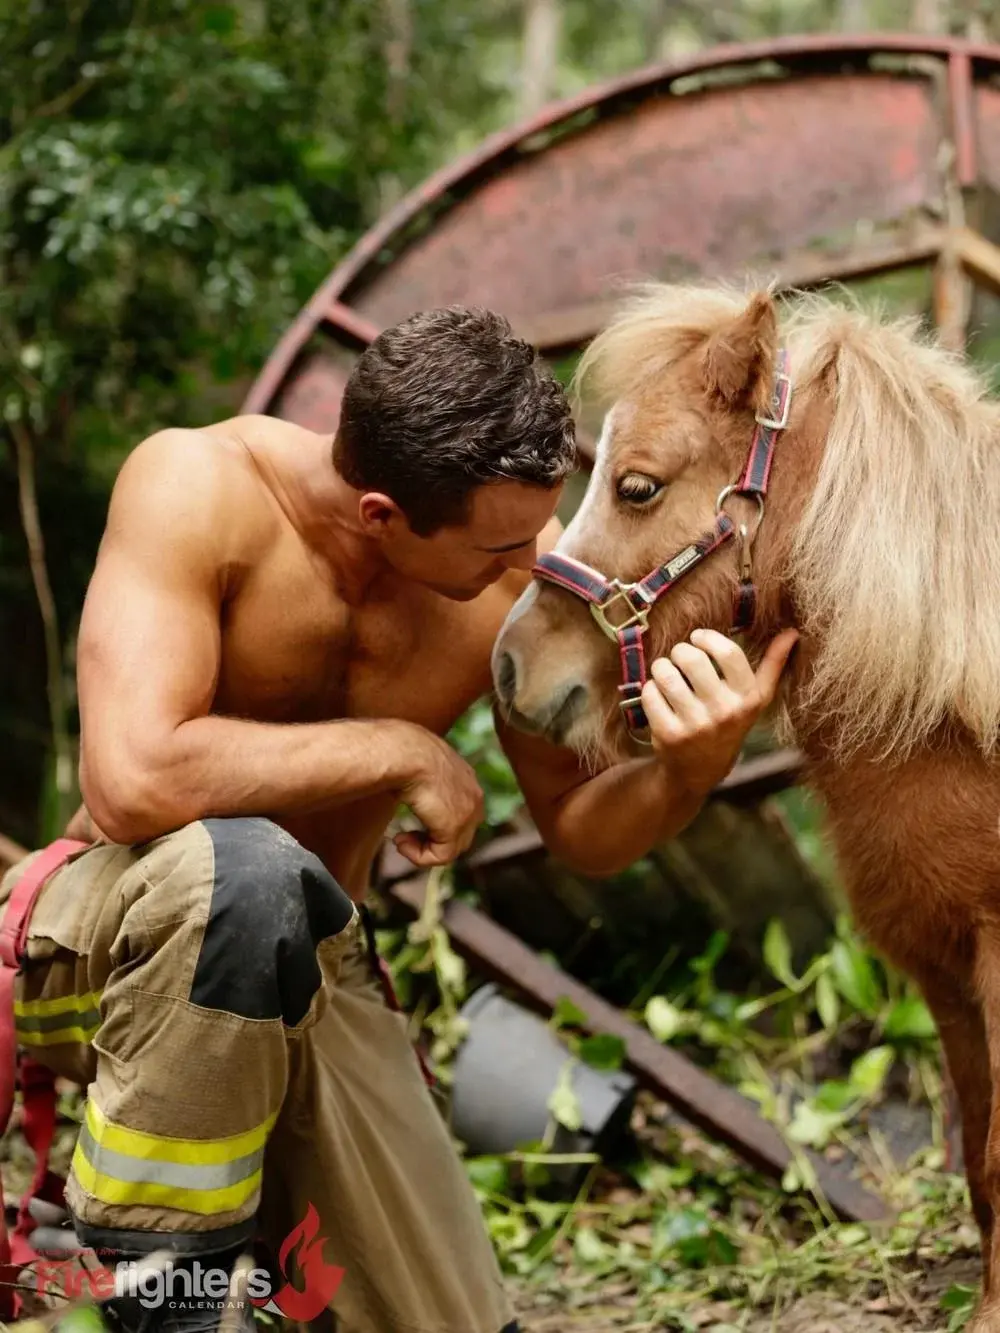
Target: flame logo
{"x": 319, "y": 1279}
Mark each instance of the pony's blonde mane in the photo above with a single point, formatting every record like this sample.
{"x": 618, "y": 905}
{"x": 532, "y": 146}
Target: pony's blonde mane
{"x": 895, "y": 565}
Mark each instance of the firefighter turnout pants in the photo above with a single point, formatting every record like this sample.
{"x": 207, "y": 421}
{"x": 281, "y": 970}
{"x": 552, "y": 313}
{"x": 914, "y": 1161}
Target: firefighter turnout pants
{"x": 216, "y": 992}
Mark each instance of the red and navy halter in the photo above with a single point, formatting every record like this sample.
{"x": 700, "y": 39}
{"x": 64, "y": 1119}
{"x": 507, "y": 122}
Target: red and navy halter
{"x": 636, "y": 599}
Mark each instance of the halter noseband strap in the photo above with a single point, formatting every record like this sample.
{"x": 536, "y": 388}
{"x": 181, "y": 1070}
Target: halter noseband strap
{"x": 622, "y": 609}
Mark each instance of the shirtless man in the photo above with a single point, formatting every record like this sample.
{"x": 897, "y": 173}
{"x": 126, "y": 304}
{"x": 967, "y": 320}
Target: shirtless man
{"x": 280, "y": 628}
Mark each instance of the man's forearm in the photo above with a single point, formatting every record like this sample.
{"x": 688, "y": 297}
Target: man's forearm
{"x": 602, "y": 826}
{"x": 226, "y": 766}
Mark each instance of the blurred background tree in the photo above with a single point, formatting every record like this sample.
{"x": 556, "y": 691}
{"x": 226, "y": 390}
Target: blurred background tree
{"x": 176, "y": 176}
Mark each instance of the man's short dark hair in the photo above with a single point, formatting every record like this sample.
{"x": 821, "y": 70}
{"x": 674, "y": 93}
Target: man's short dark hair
{"x": 444, "y": 402}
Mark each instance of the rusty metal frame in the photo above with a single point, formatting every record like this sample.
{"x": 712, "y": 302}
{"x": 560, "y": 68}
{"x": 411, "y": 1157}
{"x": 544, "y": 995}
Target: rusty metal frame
{"x": 330, "y": 309}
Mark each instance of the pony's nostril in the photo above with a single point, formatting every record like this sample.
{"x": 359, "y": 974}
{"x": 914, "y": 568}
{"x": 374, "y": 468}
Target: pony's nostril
{"x": 505, "y": 678}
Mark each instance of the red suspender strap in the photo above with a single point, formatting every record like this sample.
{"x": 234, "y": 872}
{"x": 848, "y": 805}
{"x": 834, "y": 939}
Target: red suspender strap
{"x": 14, "y": 930}
{"x": 37, "y": 1082}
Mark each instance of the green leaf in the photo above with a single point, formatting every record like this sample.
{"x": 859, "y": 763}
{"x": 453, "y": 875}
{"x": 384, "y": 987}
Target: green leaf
{"x": 603, "y": 1051}
{"x": 663, "y": 1019}
{"x": 716, "y": 947}
{"x": 567, "y": 1015}
{"x": 855, "y": 978}
{"x": 685, "y": 1226}
{"x": 909, "y": 1019}
{"x": 488, "y": 1174}
{"x": 85, "y": 1319}
{"x": 508, "y": 1231}
{"x": 656, "y": 1177}
{"x": 958, "y": 1297}
{"x": 450, "y": 967}
{"x": 827, "y": 1001}
{"x": 852, "y": 1235}
{"x": 563, "y": 1103}
{"x": 868, "y": 1072}
{"x": 588, "y": 1246}
{"x": 812, "y": 1126}
{"x": 721, "y": 1249}
{"x": 778, "y": 954}
{"x": 835, "y": 1095}
{"x": 961, "y": 1301}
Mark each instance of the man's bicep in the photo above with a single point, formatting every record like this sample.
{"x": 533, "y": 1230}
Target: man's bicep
{"x": 148, "y": 656}
{"x": 149, "y": 643}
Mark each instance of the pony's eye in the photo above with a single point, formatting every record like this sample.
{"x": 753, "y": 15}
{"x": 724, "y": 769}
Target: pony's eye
{"x": 636, "y": 488}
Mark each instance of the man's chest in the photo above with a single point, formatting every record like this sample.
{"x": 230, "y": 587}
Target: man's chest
{"x": 292, "y": 650}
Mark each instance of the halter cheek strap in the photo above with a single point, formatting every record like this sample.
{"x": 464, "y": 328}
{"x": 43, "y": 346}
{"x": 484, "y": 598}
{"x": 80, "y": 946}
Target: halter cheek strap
{"x": 622, "y": 609}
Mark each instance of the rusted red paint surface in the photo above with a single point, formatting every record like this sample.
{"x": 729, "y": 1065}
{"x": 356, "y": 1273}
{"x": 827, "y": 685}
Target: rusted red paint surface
{"x": 682, "y": 186}
{"x": 311, "y": 397}
{"x": 659, "y": 180}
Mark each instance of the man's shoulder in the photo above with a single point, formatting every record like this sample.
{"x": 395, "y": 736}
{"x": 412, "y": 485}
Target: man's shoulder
{"x": 191, "y": 486}
{"x": 204, "y": 466}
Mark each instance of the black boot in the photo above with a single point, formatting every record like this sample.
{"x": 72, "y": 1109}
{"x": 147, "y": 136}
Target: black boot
{"x": 184, "y": 1290}
{"x": 180, "y": 1296}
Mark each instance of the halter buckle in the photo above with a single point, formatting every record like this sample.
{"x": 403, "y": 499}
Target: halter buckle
{"x": 782, "y": 396}
{"x": 636, "y": 615}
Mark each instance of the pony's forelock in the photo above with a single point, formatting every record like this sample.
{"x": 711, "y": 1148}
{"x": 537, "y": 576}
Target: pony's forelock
{"x": 653, "y": 328}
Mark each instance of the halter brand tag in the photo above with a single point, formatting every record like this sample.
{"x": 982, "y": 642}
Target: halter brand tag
{"x": 680, "y": 562}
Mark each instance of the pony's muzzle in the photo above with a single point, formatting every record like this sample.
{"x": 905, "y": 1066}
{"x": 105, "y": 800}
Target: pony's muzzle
{"x": 552, "y": 715}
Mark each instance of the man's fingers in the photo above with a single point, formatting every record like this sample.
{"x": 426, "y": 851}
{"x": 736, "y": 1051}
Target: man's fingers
{"x": 420, "y": 851}
{"x": 697, "y": 667}
{"x": 663, "y": 722}
{"x": 677, "y": 692}
{"x": 773, "y": 663}
{"x": 730, "y": 657}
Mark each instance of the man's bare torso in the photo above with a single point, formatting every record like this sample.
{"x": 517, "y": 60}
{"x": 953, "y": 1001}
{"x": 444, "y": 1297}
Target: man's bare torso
{"x": 295, "y": 649}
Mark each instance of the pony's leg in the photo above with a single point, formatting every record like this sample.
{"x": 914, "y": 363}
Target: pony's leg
{"x": 987, "y": 1174}
{"x": 963, "y": 1031}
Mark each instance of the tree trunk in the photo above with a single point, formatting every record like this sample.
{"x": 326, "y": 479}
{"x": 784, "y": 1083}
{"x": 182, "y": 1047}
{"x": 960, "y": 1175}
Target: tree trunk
{"x": 976, "y": 21}
{"x": 397, "y": 49}
{"x": 540, "y": 58}
{"x": 930, "y": 16}
{"x": 854, "y": 15}
{"x": 58, "y": 708}
{"x": 655, "y": 34}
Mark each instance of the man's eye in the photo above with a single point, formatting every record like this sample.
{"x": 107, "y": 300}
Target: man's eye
{"x": 636, "y": 488}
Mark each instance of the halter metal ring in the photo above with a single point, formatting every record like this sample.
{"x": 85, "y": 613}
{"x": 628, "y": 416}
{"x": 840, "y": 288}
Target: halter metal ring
{"x": 727, "y": 491}
{"x": 636, "y": 615}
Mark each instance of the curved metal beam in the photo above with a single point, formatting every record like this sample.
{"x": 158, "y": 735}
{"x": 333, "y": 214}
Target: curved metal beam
{"x": 331, "y": 307}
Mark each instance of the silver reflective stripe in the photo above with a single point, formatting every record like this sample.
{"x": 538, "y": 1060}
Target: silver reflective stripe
{"x": 69, "y": 1018}
{"x": 146, "y": 1171}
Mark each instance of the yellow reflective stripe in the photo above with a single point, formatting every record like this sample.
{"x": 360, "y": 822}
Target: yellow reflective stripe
{"x": 63, "y": 1004}
{"x": 187, "y": 1152}
{"x": 150, "y": 1194}
{"x": 56, "y": 1036}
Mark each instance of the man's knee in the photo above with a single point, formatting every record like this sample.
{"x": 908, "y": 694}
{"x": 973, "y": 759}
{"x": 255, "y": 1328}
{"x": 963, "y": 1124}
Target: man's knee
{"x": 272, "y": 904}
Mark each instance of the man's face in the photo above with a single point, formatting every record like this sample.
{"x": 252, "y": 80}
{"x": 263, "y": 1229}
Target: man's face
{"x": 499, "y": 533}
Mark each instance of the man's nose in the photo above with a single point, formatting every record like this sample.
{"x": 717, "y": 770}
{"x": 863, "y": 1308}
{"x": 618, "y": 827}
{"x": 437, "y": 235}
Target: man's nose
{"x": 523, "y": 558}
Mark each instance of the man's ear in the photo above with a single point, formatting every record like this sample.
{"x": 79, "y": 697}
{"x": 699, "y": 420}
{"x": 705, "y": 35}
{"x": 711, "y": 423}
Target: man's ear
{"x": 377, "y": 513}
{"x": 739, "y": 357}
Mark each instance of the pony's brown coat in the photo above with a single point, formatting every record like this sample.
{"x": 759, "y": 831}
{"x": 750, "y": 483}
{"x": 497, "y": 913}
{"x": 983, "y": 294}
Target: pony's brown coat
{"x": 882, "y": 544}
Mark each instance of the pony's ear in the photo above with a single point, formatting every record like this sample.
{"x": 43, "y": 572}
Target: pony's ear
{"x": 740, "y": 356}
